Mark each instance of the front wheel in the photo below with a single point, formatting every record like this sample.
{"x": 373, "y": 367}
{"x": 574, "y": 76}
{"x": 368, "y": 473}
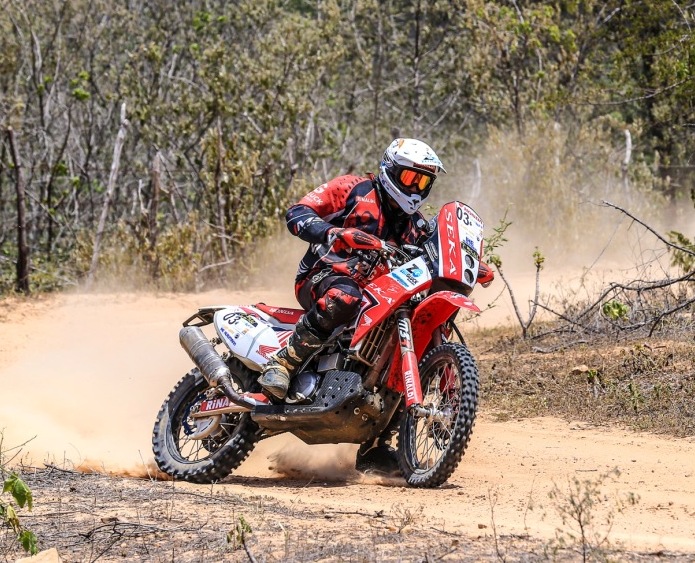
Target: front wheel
{"x": 200, "y": 449}
{"x": 431, "y": 446}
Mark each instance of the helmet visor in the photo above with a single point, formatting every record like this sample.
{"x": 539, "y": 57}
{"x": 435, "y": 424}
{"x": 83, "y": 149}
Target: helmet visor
{"x": 415, "y": 181}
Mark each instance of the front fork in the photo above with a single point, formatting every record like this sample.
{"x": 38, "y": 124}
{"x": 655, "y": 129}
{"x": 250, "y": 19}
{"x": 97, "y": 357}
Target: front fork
{"x": 411, "y": 375}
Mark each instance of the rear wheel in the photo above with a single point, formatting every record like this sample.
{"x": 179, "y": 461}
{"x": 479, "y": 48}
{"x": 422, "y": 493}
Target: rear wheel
{"x": 431, "y": 446}
{"x": 200, "y": 450}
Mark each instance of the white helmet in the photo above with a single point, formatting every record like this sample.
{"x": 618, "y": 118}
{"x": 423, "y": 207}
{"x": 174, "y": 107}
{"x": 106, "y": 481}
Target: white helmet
{"x": 407, "y": 172}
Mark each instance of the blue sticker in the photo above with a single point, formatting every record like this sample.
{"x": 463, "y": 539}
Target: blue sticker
{"x": 400, "y": 280}
{"x": 227, "y": 336}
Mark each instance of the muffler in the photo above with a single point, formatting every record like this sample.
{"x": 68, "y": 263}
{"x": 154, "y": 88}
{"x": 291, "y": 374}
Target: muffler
{"x": 210, "y": 364}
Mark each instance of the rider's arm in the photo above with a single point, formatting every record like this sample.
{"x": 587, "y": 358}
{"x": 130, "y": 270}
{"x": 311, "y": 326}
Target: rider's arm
{"x": 307, "y": 218}
{"x": 305, "y": 223}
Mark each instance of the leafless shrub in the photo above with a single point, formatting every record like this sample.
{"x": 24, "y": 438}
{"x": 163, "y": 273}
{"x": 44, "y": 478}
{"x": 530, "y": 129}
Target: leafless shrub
{"x": 588, "y": 515}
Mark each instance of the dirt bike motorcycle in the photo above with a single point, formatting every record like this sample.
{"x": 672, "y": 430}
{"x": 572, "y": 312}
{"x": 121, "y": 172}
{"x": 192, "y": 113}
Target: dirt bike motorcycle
{"x": 403, "y": 356}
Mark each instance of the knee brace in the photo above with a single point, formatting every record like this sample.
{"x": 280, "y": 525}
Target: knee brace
{"x": 338, "y": 305}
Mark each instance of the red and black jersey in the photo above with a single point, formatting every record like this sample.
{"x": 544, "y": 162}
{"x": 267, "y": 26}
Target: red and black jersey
{"x": 347, "y": 201}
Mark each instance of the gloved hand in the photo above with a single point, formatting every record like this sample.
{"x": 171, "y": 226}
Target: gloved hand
{"x": 353, "y": 238}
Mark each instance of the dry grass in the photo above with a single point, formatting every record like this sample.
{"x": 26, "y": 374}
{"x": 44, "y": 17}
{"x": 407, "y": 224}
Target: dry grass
{"x": 642, "y": 383}
{"x": 91, "y": 517}
{"x": 100, "y": 518}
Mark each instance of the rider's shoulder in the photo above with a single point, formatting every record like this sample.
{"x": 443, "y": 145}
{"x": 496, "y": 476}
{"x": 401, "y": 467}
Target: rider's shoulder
{"x": 346, "y": 181}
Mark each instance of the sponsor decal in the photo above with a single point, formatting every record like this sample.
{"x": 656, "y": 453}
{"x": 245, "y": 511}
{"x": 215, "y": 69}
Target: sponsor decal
{"x": 230, "y": 339}
{"x": 400, "y": 280}
{"x": 427, "y": 167}
{"x": 470, "y": 251}
{"x": 367, "y": 320}
{"x": 407, "y": 277}
{"x": 236, "y": 316}
{"x": 316, "y": 278}
{"x": 452, "y": 243}
{"x": 404, "y": 335}
{"x": 414, "y": 271}
{"x": 409, "y": 385}
{"x": 281, "y": 311}
{"x": 312, "y": 196}
{"x": 465, "y": 213}
{"x": 266, "y": 351}
{"x": 214, "y": 404}
{"x": 362, "y": 199}
{"x": 431, "y": 250}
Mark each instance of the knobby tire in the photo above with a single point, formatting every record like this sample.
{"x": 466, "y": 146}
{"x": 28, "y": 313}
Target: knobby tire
{"x": 429, "y": 452}
{"x": 221, "y": 455}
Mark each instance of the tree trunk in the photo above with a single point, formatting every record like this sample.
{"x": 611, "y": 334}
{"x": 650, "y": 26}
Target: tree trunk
{"x": 626, "y": 161}
{"x": 152, "y": 213}
{"x": 22, "y": 284}
{"x": 154, "y": 202}
{"x": 120, "y": 138}
{"x": 219, "y": 170}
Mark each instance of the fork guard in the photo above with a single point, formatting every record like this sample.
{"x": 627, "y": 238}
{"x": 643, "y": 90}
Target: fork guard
{"x": 432, "y": 312}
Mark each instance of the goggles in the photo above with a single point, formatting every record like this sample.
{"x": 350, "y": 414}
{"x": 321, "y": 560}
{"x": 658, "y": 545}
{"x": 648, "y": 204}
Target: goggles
{"x": 415, "y": 181}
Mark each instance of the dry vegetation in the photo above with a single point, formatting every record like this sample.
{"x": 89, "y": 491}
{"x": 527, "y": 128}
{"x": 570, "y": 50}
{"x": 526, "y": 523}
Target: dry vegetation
{"x": 94, "y": 517}
{"x": 642, "y": 383}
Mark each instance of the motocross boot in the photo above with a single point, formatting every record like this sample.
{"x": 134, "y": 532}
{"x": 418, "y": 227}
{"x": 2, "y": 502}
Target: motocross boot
{"x": 378, "y": 456}
{"x": 279, "y": 371}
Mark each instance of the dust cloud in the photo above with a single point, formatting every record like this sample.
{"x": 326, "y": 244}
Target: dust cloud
{"x": 321, "y": 462}
{"x": 82, "y": 376}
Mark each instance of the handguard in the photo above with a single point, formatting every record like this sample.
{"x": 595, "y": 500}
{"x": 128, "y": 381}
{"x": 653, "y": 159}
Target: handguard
{"x": 353, "y": 238}
{"x": 485, "y": 274}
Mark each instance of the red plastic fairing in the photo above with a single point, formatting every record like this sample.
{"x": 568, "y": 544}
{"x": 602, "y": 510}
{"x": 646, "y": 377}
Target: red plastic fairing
{"x": 379, "y": 299}
{"x": 432, "y": 312}
{"x": 428, "y": 315}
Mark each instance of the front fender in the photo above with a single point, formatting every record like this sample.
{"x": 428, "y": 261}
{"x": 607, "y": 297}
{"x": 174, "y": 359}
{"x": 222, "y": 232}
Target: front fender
{"x": 432, "y": 312}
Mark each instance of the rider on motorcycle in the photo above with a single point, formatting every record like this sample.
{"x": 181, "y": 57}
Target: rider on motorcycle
{"x": 330, "y": 278}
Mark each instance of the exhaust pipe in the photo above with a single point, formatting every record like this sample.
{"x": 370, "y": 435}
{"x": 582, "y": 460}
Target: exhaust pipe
{"x": 210, "y": 364}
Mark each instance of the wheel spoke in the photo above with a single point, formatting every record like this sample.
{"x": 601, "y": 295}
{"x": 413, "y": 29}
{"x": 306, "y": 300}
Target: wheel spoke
{"x": 434, "y": 436}
{"x": 200, "y": 449}
{"x": 193, "y": 450}
{"x": 440, "y": 394}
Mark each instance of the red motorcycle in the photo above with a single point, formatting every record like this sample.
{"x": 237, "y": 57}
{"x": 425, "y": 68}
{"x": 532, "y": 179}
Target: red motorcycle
{"x": 403, "y": 357}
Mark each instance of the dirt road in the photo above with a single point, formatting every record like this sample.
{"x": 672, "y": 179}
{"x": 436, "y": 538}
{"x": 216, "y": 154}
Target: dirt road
{"x": 82, "y": 377}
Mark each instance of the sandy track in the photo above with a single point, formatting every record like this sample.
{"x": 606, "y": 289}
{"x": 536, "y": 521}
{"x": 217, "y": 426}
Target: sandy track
{"x": 86, "y": 374}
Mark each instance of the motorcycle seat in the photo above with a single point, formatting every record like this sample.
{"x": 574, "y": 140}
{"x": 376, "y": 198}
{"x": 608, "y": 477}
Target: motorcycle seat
{"x": 285, "y": 315}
